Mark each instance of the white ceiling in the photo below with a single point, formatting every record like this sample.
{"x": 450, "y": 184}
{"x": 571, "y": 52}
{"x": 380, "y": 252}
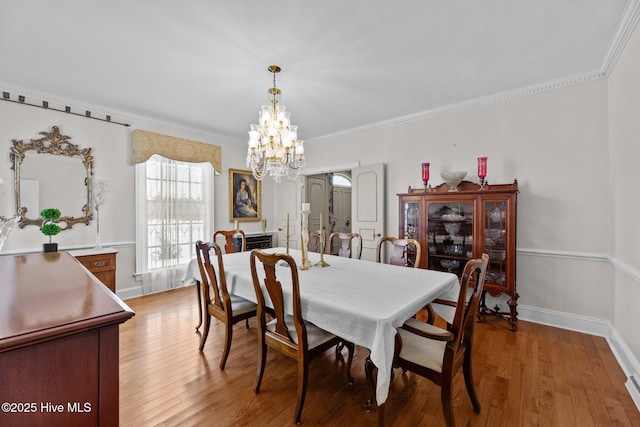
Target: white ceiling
{"x": 202, "y": 65}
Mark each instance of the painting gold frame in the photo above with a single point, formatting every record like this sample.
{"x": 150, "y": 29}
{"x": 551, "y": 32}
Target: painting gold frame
{"x": 251, "y": 210}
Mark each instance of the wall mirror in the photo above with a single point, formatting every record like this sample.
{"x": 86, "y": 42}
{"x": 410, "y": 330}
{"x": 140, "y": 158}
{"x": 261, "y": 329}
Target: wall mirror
{"x": 51, "y": 172}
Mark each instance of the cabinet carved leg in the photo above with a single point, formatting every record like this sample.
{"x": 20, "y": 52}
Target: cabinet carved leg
{"x": 513, "y": 305}
{"x": 510, "y": 316}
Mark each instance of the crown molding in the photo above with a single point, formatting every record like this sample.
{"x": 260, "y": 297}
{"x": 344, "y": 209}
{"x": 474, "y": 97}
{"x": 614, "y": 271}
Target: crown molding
{"x": 627, "y": 25}
{"x": 135, "y": 121}
{"x": 630, "y": 19}
{"x": 466, "y": 105}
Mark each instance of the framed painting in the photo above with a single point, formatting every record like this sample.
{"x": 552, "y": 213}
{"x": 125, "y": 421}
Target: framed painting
{"x": 245, "y": 196}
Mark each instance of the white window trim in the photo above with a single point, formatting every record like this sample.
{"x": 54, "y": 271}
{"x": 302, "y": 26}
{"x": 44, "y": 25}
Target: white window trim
{"x": 141, "y": 215}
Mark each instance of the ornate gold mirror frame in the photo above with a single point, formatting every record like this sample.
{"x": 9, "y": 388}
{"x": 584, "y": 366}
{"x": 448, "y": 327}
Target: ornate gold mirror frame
{"x": 56, "y": 144}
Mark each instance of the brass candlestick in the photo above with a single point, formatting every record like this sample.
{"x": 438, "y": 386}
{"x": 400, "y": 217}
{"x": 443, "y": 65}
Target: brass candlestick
{"x": 304, "y": 238}
{"x": 322, "y": 262}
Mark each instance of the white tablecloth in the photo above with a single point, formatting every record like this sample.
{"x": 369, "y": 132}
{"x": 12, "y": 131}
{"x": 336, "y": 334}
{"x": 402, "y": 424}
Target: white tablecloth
{"x": 361, "y": 301}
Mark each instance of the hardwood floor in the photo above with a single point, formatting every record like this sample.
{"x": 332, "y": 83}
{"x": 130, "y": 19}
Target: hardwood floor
{"x": 537, "y": 376}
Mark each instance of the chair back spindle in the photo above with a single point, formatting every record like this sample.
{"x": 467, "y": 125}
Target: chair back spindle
{"x": 405, "y": 252}
{"x": 230, "y": 244}
{"x": 345, "y": 244}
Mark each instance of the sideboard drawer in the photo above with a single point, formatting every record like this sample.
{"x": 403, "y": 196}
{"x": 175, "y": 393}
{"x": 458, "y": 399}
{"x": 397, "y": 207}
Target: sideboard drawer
{"x": 101, "y": 264}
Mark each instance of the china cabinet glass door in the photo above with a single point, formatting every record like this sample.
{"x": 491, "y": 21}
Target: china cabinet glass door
{"x": 411, "y": 209}
{"x": 495, "y": 241}
{"x": 450, "y": 235}
{"x": 411, "y": 226}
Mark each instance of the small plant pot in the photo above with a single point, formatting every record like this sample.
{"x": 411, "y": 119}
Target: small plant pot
{"x": 50, "y": 247}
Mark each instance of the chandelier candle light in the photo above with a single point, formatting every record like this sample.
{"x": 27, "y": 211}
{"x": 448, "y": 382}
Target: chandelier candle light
{"x": 274, "y": 147}
{"x": 482, "y": 170}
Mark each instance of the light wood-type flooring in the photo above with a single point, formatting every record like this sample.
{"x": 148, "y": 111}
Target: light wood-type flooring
{"x": 537, "y": 376}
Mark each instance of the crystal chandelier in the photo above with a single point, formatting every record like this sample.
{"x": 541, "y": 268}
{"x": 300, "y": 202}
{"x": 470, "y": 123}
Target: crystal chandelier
{"x": 274, "y": 147}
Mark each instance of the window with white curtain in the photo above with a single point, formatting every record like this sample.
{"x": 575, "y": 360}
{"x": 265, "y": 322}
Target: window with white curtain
{"x": 174, "y": 209}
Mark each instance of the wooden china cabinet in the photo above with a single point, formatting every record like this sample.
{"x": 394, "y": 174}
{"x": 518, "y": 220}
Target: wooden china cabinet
{"x": 455, "y": 226}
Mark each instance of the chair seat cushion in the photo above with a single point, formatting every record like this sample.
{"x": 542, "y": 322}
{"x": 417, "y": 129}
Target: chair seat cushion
{"x": 315, "y": 335}
{"x": 240, "y": 305}
{"x": 420, "y": 350}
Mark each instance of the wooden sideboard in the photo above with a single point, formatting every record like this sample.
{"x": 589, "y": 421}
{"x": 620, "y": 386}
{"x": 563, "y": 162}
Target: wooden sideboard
{"x": 102, "y": 263}
{"x": 58, "y": 343}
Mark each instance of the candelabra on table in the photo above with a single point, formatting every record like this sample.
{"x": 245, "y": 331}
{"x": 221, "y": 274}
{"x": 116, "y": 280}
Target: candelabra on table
{"x": 321, "y": 239}
{"x": 304, "y": 237}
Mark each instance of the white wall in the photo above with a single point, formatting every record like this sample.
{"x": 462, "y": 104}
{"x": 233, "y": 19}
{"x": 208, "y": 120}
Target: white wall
{"x": 555, "y": 144}
{"x": 624, "y": 135}
{"x": 111, "y": 146}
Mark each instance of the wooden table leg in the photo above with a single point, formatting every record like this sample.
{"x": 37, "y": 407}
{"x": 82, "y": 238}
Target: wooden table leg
{"x": 371, "y": 372}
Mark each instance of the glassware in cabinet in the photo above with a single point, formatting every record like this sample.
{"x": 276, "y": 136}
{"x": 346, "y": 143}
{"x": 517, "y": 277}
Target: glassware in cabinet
{"x": 450, "y": 235}
{"x": 411, "y": 211}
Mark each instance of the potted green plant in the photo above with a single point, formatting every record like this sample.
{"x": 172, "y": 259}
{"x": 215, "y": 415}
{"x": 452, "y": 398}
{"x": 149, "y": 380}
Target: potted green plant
{"x": 50, "y": 228}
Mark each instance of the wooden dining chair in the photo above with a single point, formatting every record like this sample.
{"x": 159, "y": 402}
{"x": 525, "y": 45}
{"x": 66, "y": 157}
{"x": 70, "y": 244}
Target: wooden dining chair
{"x": 229, "y": 247}
{"x": 406, "y": 252}
{"x": 438, "y": 354}
{"x": 345, "y": 244}
{"x": 228, "y": 308}
{"x": 314, "y": 242}
{"x": 289, "y": 334}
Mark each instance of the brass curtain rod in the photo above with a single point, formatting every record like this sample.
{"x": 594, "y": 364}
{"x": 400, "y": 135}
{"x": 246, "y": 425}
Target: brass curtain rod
{"x": 6, "y": 96}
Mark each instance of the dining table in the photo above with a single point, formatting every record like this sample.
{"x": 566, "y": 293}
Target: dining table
{"x": 363, "y": 302}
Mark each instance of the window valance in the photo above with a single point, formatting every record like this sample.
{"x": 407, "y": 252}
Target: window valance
{"x": 145, "y": 144}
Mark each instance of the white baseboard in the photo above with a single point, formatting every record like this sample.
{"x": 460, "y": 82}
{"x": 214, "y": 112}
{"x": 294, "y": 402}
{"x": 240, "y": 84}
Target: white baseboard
{"x": 572, "y": 322}
{"x": 137, "y": 291}
{"x": 633, "y": 385}
{"x": 128, "y": 293}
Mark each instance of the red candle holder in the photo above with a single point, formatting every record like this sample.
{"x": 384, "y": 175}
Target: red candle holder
{"x": 482, "y": 170}
{"x": 425, "y": 174}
